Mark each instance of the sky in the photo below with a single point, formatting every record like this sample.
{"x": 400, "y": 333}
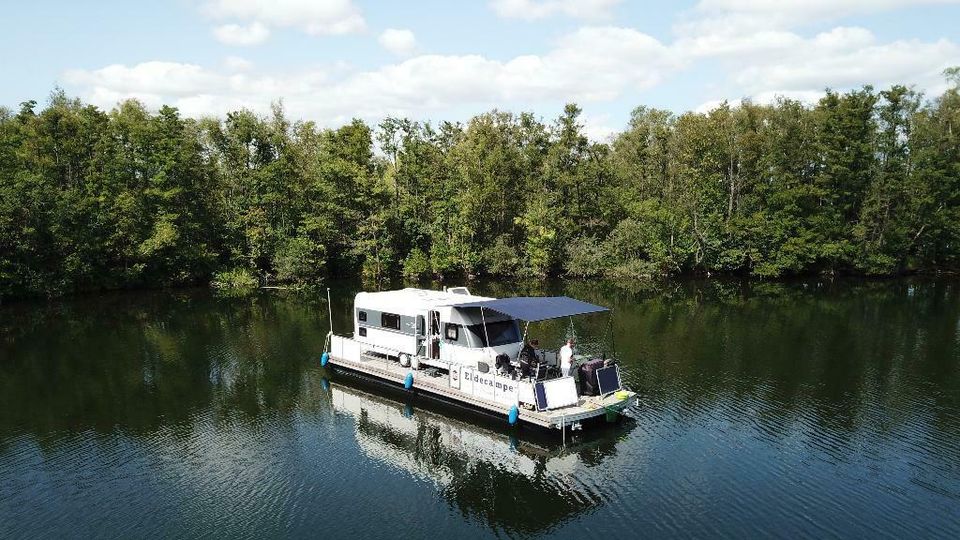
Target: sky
{"x": 333, "y": 60}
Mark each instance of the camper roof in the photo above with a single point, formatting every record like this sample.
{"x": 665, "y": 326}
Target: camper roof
{"x": 404, "y": 300}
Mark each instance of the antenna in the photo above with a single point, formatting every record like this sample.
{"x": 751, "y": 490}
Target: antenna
{"x": 329, "y": 310}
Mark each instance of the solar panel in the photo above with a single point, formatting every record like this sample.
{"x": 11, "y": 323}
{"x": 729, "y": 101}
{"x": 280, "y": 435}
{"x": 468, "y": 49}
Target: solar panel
{"x": 608, "y": 379}
{"x": 541, "y": 394}
{"x": 561, "y": 392}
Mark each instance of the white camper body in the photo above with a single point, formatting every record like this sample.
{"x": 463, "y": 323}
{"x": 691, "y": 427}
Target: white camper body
{"x": 427, "y": 327}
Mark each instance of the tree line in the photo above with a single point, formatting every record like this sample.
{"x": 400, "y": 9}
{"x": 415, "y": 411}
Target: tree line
{"x": 864, "y": 182}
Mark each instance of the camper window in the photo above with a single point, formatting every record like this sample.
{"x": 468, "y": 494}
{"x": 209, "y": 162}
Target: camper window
{"x": 500, "y": 332}
{"x": 362, "y": 316}
{"x": 390, "y": 320}
{"x": 452, "y": 331}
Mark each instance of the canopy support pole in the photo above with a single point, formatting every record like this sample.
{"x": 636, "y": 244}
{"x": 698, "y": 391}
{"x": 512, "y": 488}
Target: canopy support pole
{"x": 485, "y": 333}
{"x": 524, "y": 340}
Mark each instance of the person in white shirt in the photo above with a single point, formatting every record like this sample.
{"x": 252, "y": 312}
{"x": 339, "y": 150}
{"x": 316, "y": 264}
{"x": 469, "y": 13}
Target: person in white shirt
{"x": 566, "y": 358}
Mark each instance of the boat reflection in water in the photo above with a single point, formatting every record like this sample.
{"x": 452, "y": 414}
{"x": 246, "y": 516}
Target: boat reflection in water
{"x": 525, "y": 483}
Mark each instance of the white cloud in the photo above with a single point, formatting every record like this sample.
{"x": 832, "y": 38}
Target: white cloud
{"x": 284, "y": 12}
{"x": 159, "y": 78}
{"x": 236, "y": 63}
{"x": 317, "y": 17}
{"x": 799, "y": 11}
{"x": 755, "y": 58}
{"x": 539, "y": 9}
{"x": 741, "y": 33}
{"x": 759, "y": 46}
{"x": 588, "y": 65}
{"x": 598, "y": 127}
{"x": 816, "y": 65}
{"x": 809, "y": 97}
{"x": 235, "y": 34}
{"x": 398, "y": 42}
{"x": 714, "y": 104}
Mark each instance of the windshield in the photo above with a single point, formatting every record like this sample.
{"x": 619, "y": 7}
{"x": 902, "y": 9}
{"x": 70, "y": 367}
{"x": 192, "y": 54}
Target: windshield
{"x": 500, "y": 332}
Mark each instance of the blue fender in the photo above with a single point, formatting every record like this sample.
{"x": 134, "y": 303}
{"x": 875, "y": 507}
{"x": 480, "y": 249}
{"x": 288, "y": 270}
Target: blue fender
{"x": 408, "y": 382}
{"x": 513, "y": 415}
{"x": 324, "y": 358}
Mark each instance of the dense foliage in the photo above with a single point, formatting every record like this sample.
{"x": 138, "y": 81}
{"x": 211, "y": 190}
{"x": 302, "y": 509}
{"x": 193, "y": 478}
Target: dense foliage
{"x": 863, "y": 182}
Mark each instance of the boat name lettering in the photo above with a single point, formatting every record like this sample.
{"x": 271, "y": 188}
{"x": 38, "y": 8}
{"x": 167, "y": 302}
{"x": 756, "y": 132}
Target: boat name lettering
{"x": 507, "y": 387}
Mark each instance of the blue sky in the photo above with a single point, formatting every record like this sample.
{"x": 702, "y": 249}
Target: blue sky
{"x": 331, "y": 60}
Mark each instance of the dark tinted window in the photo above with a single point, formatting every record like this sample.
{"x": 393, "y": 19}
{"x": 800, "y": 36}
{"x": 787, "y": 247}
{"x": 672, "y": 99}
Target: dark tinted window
{"x": 390, "y": 320}
{"x": 500, "y": 332}
{"x": 452, "y": 331}
{"x": 362, "y": 315}
{"x": 363, "y": 332}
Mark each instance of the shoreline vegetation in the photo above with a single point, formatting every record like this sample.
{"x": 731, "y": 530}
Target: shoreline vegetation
{"x": 865, "y": 182}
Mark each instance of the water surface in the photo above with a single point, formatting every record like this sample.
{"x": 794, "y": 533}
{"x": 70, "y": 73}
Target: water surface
{"x": 813, "y": 409}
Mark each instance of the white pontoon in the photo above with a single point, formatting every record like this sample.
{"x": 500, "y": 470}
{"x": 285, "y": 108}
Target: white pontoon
{"x": 473, "y": 350}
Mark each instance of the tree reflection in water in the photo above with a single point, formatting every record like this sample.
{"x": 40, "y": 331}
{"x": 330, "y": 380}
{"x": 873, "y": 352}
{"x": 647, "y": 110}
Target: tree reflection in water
{"x": 527, "y": 483}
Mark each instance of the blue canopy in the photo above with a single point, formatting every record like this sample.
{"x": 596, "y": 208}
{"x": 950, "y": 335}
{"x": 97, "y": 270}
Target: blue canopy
{"x": 537, "y": 308}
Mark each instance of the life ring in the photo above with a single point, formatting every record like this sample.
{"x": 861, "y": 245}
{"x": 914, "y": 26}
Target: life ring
{"x": 404, "y": 359}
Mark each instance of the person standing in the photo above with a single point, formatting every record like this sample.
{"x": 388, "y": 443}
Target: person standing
{"x": 566, "y": 358}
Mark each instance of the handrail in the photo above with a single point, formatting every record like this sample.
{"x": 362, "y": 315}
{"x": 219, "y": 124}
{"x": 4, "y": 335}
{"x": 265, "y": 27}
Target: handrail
{"x": 377, "y": 346}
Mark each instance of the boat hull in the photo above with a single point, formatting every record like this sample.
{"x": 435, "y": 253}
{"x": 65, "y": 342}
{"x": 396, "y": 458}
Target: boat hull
{"x": 588, "y": 412}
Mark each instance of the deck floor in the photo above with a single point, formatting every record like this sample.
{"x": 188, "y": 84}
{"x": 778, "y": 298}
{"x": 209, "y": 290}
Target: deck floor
{"x": 587, "y": 407}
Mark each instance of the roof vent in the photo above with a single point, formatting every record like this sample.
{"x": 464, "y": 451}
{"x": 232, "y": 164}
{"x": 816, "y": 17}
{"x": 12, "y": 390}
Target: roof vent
{"x": 459, "y": 290}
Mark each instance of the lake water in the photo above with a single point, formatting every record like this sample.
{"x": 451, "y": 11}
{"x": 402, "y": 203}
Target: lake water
{"x": 809, "y": 409}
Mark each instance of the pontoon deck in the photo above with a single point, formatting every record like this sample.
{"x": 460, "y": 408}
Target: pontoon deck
{"x": 587, "y": 408}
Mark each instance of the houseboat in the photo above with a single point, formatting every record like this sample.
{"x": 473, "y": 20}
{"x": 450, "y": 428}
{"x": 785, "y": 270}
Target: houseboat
{"x": 475, "y": 351}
